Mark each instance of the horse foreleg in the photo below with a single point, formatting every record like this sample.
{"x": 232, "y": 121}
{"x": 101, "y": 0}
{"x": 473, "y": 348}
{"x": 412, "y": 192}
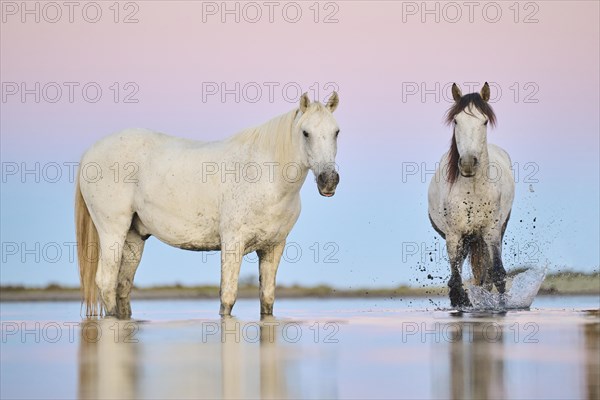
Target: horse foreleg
{"x": 495, "y": 274}
{"x": 268, "y": 263}
{"x": 231, "y": 260}
{"x": 457, "y": 253}
{"x": 132, "y": 254}
{"x": 498, "y": 271}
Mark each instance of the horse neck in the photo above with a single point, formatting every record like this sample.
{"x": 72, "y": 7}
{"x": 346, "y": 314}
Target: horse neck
{"x": 292, "y": 171}
{"x": 485, "y": 154}
{"x": 482, "y": 178}
{"x": 291, "y": 174}
{"x": 287, "y": 169}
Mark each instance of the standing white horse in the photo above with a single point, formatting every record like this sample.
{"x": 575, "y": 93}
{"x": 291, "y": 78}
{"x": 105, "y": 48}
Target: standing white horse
{"x": 471, "y": 195}
{"x": 239, "y": 195}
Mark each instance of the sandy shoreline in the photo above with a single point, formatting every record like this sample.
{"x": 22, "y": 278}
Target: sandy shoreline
{"x": 149, "y": 294}
{"x": 564, "y": 284}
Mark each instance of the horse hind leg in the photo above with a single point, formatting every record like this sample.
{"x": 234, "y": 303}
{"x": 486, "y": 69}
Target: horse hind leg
{"x": 112, "y": 233}
{"x": 111, "y": 249}
{"x": 130, "y": 260}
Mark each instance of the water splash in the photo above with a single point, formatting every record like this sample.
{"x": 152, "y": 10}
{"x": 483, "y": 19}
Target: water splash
{"x": 521, "y": 294}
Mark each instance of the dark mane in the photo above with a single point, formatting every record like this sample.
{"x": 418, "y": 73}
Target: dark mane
{"x": 453, "y": 156}
{"x": 466, "y": 102}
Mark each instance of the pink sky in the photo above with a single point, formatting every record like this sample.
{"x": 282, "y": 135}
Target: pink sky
{"x": 370, "y": 53}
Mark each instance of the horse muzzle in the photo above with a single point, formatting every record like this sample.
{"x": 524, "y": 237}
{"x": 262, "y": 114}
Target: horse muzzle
{"x": 467, "y": 166}
{"x": 327, "y": 182}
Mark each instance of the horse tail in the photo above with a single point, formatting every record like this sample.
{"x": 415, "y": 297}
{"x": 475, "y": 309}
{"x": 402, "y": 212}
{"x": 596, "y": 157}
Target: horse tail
{"x": 477, "y": 259}
{"x": 87, "y": 239}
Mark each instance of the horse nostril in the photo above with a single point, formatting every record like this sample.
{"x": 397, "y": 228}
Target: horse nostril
{"x": 475, "y": 161}
{"x": 336, "y": 178}
{"x": 321, "y": 178}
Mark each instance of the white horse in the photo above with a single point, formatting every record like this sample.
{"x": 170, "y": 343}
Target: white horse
{"x": 239, "y": 195}
{"x": 471, "y": 195}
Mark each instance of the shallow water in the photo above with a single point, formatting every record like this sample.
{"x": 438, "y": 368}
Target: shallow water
{"x": 314, "y": 348}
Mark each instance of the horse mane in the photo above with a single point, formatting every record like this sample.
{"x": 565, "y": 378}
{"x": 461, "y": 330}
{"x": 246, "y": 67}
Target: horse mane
{"x": 453, "y": 156}
{"x": 276, "y": 136}
{"x": 466, "y": 102}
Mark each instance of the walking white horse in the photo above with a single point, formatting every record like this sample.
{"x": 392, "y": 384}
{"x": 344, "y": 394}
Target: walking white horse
{"x": 239, "y": 195}
{"x": 471, "y": 195}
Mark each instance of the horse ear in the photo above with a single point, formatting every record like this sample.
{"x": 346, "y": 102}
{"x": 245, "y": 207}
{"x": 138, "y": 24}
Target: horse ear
{"x": 333, "y": 102}
{"x": 304, "y": 102}
{"x": 456, "y": 93}
{"x": 485, "y": 92}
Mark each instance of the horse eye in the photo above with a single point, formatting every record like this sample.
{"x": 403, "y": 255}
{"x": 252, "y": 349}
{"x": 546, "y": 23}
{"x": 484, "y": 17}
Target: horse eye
{"x": 486, "y": 122}
{"x": 305, "y": 133}
{"x": 454, "y": 120}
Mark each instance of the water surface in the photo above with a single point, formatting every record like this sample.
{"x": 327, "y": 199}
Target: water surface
{"x": 313, "y": 348}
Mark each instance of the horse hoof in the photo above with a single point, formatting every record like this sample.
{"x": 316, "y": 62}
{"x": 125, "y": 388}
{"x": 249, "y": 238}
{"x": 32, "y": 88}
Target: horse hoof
{"x": 459, "y": 298}
{"x": 266, "y": 309}
{"x": 225, "y": 310}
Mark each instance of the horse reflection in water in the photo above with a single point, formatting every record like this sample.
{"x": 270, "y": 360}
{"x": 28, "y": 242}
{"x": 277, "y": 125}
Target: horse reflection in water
{"x": 108, "y": 358}
{"x": 591, "y": 334}
{"x": 476, "y": 370}
{"x": 128, "y": 359}
{"x": 233, "y": 349}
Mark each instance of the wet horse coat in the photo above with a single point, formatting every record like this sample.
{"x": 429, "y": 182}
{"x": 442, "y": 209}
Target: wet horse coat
{"x": 471, "y": 196}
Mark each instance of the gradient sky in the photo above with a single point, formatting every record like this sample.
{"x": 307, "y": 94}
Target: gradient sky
{"x": 547, "y": 71}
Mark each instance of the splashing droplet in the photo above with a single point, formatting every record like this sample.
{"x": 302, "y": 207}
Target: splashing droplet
{"x": 523, "y": 290}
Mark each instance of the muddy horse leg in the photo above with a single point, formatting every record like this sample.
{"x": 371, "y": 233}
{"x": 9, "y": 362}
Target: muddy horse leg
{"x": 457, "y": 252}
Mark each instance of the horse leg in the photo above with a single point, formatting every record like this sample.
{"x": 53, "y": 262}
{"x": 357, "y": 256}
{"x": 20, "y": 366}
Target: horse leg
{"x": 457, "y": 253}
{"x": 477, "y": 258}
{"x": 481, "y": 261}
{"x": 495, "y": 274}
{"x": 111, "y": 250}
{"x": 268, "y": 263}
{"x": 498, "y": 272}
{"x": 132, "y": 254}
{"x": 231, "y": 260}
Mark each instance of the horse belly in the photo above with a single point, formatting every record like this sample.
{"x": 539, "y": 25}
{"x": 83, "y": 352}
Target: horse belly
{"x": 178, "y": 229}
{"x": 265, "y": 230}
